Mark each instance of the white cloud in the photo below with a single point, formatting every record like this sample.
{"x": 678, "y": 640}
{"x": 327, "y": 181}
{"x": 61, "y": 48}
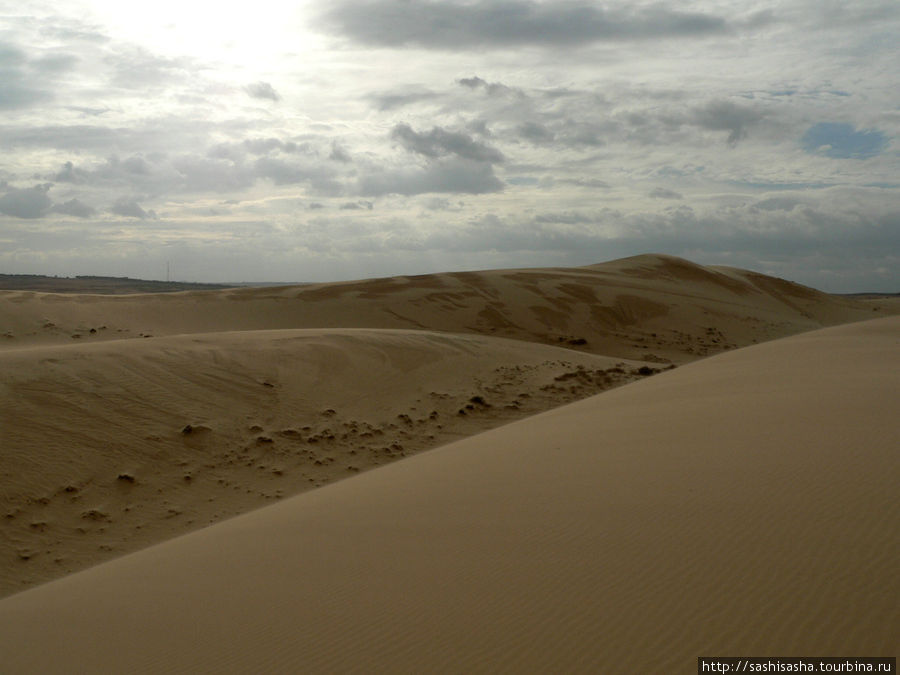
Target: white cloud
{"x": 517, "y": 132}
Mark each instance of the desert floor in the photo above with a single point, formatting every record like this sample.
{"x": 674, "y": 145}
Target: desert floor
{"x": 738, "y": 496}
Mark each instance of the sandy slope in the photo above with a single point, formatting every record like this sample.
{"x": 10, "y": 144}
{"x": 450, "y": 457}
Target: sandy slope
{"x": 112, "y": 446}
{"x": 640, "y": 308}
{"x": 94, "y": 461}
{"x": 743, "y": 504}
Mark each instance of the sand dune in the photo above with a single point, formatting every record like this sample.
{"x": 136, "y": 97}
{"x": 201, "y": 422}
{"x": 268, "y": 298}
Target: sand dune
{"x": 645, "y": 307}
{"x": 742, "y": 504}
{"x": 110, "y": 447}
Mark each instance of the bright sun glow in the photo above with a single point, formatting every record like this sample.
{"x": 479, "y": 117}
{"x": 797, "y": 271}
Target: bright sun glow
{"x": 251, "y": 36}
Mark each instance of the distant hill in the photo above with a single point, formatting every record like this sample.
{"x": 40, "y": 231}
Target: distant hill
{"x": 99, "y": 285}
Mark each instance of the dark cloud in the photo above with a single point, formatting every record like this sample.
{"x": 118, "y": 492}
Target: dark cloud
{"x": 392, "y": 100}
{"x": 319, "y": 176}
{"x": 136, "y": 165}
{"x": 592, "y": 183}
{"x": 131, "y": 209}
{"x": 210, "y": 174}
{"x": 442, "y": 204}
{"x": 785, "y": 203}
{"x": 361, "y": 205}
{"x": 21, "y": 87}
{"x": 281, "y": 172}
{"x": 727, "y": 116}
{"x": 842, "y": 141}
{"x": 536, "y": 133}
{"x": 262, "y": 90}
{"x": 445, "y": 24}
{"x": 88, "y": 111}
{"x": 70, "y": 174}
{"x": 663, "y": 193}
{"x": 30, "y": 202}
{"x": 339, "y": 154}
{"x": 439, "y": 142}
{"x": 74, "y": 207}
{"x": 445, "y": 175}
{"x": 566, "y": 218}
{"x": 55, "y": 63}
{"x": 472, "y": 82}
{"x": 491, "y": 88}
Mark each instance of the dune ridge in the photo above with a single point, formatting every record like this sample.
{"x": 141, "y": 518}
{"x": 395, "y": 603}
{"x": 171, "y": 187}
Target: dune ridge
{"x": 741, "y": 504}
{"x": 127, "y": 420}
{"x": 652, "y": 306}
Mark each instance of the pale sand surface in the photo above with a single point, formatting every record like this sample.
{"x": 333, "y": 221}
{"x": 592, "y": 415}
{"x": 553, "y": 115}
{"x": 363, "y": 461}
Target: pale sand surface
{"x": 744, "y": 504}
{"x": 286, "y": 389}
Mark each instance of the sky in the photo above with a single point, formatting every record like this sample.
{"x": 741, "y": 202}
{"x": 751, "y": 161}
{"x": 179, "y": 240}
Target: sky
{"x": 343, "y": 139}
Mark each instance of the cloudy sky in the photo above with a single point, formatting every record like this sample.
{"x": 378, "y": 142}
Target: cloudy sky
{"x": 301, "y": 141}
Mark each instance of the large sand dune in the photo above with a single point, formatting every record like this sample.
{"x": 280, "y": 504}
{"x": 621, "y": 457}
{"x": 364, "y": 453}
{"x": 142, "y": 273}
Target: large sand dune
{"x": 742, "y": 504}
{"x": 646, "y": 306}
{"x": 111, "y": 442}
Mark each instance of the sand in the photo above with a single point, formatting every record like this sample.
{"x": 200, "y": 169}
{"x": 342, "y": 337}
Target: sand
{"x": 652, "y": 306}
{"x": 742, "y": 504}
{"x": 112, "y": 446}
{"x": 736, "y": 504}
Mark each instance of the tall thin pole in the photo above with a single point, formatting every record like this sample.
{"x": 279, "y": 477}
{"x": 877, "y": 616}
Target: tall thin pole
{"x": 167, "y": 270}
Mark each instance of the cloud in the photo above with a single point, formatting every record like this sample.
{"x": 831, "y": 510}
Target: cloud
{"x": 842, "y": 141}
{"x": 338, "y": 154}
{"x": 442, "y": 204}
{"x": 593, "y": 183}
{"x": 74, "y": 207}
{"x": 70, "y": 174}
{"x": 491, "y": 88}
{"x": 536, "y": 133}
{"x": 439, "y": 142}
{"x": 663, "y": 193}
{"x": 263, "y": 146}
{"x": 392, "y": 100}
{"x": 280, "y": 171}
{"x": 445, "y": 175}
{"x": 361, "y": 205}
{"x": 727, "y": 116}
{"x": 137, "y": 68}
{"x": 262, "y": 90}
{"x": 445, "y": 24}
{"x": 780, "y": 203}
{"x": 59, "y": 62}
{"x": 21, "y": 83}
{"x": 472, "y": 82}
{"x": 30, "y": 202}
{"x": 131, "y": 209}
